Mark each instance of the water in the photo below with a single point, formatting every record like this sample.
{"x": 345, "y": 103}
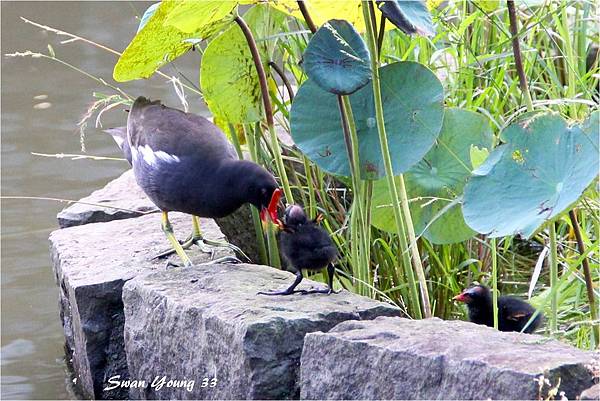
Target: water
{"x": 41, "y": 103}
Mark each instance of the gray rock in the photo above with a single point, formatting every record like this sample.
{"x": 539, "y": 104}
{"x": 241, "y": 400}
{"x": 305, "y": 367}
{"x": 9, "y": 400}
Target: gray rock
{"x": 208, "y": 322}
{"x": 122, "y": 193}
{"x": 91, "y": 264}
{"x": 592, "y": 393}
{"x": 396, "y": 358}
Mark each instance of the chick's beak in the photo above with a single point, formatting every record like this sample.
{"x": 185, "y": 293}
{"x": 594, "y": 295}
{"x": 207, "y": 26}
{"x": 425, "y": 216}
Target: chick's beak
{"x": 460, "y": 297}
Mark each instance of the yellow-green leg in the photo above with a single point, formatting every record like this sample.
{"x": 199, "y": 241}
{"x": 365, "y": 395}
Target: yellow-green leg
{"x": 196, "y": 233}
{"x": 196, "y": 236}
{"x": 168, "y": 229}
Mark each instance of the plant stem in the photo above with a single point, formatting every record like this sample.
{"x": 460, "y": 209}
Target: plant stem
{"x": 69, "y": 201}
{"x": 588, "y": 278}
{"x": 553, "y": 279}
{"x": 416, "y": 257}
{"x": 358, "y": 207}
{"x": 381, "y": 34}
{"x": 312, "y": 203}
{"x": 264, "y": 89}
{"x": 273, "y": 248}
{"x": 361, "y": 198}
{"x": 284, "y": 79}
{"x": 494, "y": 281}
{"x": 101, "y": 81}
{"x": 371, "y": 41}
{"x": 571, "y": 61}
{"x": 236, "y": 141}
{"x": 306, "y": 15}
{"x": 514, "y": 31}
{"x": 258, "y": 230}
{"x": 98, "y": 45}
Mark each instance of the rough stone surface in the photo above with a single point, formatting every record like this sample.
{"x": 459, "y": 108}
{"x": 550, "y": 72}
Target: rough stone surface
{"x": 122, "y": 192}
{"x": 592, "y": 393}
{"x": 396, "y": 358}
{"x": 91, "y": 263}
{"x": 208, "y": 322}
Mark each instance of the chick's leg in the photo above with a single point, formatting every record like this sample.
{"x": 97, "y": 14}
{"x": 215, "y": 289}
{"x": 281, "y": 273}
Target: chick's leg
{"x": 290, "y": 290}
{"x": 329, "y": 290}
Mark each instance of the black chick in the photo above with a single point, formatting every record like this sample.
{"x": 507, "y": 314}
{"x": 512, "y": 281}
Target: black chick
{"x": 305, "y": 245}
{"x": 513, "y": 313}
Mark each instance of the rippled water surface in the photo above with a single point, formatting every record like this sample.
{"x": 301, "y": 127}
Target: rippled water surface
{"x": 41, "y": 103}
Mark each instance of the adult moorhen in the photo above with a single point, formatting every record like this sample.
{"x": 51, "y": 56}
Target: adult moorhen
{"x": 184, "y": 163}
{"x": 305, "y": 245}
{"x": 513, "y": 313}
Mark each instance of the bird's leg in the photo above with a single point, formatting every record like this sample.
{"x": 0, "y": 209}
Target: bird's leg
{"x": 168, "y": 229}
{"x": 290, "y": 290}
{"x": 197, "y": 239}
{"x": 194, "y": 238}
{"x": 329, "y": 290}
{"x": 330, "y": 273}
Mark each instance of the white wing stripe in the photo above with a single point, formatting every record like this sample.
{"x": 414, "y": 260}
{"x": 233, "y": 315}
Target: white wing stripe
{"x": 151, "y": 157}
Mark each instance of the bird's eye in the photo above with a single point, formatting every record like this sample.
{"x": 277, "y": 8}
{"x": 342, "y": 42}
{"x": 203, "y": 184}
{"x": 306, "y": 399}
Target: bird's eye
{"x": 263, "y": 191}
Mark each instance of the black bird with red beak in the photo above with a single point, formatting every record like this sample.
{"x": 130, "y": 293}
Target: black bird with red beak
{"x": 305, "y": 245}
{"x": 513, "y": 313}
{"x": 185, "y": 163}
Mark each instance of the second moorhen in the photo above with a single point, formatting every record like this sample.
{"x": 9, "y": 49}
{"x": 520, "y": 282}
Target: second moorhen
{"x": 305, "y": 245}
{"x": 513, "y": 313}
{"x": 185, "y": 163}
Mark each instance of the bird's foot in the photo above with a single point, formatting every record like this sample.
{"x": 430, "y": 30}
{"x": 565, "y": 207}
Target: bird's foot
{"x": 225, "y": 259}
{"x": 284, "y": 292}
{"x": 234, "y": 248}
{"x": 327, "y": 291}
{"x": 170, "y": 265}
{"x": 189, "y": 241}
{"x": 205, "y": 245}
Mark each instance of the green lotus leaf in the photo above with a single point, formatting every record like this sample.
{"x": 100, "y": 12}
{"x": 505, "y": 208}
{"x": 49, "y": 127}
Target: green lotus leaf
{"x": 228, "y": 76}
{"x": 191, "y": 16}
{"x": 413, "y": 111}
{"x": 410, "y": 16}
{"x": 541, "y": 170}
{"x": 337, "y": 58}
{"x": 152, "y": 47}
{"x": 437, "y": 180}
{"x": 157, "y": 43}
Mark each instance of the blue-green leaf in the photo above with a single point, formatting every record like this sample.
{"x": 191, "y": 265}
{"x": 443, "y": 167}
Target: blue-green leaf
{"x": 410, "y": 16}
{"x": 541, "y": 170}
{"x": 413, "y": 111}
{"x": 337, "y": 58}
{"x": 435, "y": 183}
{"x": 149, "y": 13}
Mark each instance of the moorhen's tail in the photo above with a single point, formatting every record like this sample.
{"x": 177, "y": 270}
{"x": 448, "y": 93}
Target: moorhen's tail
{"x": 142, "y": 101}
{"x": 119, "y": 134}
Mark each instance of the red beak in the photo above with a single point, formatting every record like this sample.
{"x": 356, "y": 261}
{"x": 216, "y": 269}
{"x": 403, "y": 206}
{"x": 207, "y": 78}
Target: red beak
{"x": 460, "y": 297}
{"x": 271, "y": 210}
